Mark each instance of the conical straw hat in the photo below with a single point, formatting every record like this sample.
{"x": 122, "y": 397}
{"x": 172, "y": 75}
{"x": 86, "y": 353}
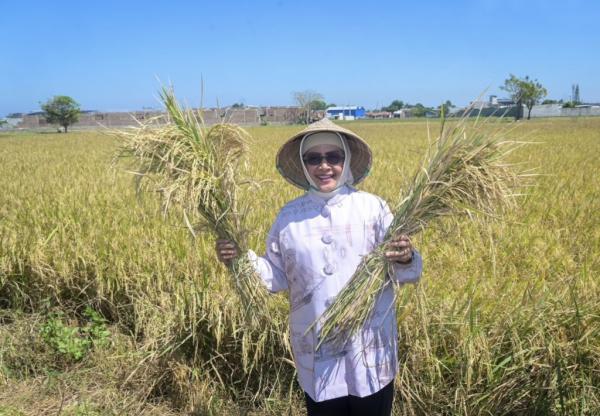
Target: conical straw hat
{"x": 290, "y": 166}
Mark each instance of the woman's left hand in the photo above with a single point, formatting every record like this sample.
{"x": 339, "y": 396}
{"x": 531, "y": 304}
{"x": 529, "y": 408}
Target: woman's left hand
{"x": 399, "y": 250}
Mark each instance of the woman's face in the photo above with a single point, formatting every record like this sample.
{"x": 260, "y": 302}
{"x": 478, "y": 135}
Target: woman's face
{"x": 325, "y": 174}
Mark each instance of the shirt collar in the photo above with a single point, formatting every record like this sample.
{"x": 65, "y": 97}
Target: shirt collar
{"x": 336, "y": 199}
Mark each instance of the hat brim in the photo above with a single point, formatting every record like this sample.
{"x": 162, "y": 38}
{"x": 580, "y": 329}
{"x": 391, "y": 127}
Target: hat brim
{"x": 289, "y": 164}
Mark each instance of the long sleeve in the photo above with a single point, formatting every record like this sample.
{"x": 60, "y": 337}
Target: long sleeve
{"x": 401, "y": 273}
{"x": 270, "y": 266}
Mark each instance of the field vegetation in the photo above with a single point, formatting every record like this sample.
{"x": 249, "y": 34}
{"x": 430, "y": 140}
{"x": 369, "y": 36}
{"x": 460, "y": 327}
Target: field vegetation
{"x": 107, "y": 307}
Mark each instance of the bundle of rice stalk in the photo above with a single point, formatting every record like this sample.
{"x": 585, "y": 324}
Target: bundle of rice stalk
{"x": 197, "y": 168}
{"x": 464, "y": 171}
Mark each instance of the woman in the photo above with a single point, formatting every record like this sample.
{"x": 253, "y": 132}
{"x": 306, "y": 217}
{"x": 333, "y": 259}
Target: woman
{"x": 313, "y": 248}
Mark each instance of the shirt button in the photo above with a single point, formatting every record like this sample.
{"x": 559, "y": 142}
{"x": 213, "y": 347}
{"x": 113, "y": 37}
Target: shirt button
{"x": 329, "y": 269}
{"x": 325, "y": 211}
{"x": 327, "y": 239}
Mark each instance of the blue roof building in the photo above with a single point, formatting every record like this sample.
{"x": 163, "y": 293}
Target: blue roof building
{"x": 351, "y": 112}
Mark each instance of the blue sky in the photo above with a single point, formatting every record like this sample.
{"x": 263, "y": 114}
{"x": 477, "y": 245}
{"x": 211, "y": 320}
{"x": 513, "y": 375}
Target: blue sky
{"x": 109, "y": 55}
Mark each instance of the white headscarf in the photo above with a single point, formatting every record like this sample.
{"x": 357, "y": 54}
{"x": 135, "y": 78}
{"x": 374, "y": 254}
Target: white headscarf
{"x": 333, "y": 138}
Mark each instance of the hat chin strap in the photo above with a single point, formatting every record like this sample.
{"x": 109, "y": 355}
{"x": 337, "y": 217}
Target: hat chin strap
{"x": 346, "y": 178}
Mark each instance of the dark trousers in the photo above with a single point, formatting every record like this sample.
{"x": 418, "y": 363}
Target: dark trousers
{"x": 377, "y": 404}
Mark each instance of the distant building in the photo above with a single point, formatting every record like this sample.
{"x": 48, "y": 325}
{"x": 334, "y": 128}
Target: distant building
{"x": 13, "y": 120}
{"x": 504, "y": 102}
{"x": 345, "y": 113}
{"x": 379, "y": 114}
{"x": 403, "y": 113}
{"x": 408, "y": 112}
{"x": 493, "y": 102}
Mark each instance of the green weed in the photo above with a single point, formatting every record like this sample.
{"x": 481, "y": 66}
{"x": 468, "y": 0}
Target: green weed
{"x": 72, "y": 340}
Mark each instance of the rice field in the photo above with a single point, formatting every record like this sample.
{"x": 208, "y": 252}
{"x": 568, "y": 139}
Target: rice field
{"x": 505, "y": 321}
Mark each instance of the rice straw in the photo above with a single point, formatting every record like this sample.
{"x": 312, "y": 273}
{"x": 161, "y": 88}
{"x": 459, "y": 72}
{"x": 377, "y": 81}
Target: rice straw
{"x": 464, "y": 172}
{"x": 195, "y": 167}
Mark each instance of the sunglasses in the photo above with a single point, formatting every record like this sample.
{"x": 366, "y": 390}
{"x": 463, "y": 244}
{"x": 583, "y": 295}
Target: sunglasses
{"x": 332, "y": 158}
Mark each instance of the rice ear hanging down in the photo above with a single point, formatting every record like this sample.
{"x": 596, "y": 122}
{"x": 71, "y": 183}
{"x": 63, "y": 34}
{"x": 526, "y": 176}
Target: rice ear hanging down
{"x": 464, "y": 172}
{"x": 195, "y": 167}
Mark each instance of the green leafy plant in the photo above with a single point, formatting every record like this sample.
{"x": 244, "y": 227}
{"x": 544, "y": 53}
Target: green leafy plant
{"x": 75, "y": 342}
{"x": 96, "y": 329}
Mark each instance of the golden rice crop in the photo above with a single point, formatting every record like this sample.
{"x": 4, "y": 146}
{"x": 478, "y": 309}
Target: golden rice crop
{"x": 504, "y": 320}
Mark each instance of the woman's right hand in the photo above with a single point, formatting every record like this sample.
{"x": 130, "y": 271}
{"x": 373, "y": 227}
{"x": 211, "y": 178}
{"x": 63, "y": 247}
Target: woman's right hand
{"x": 226, "y": 251}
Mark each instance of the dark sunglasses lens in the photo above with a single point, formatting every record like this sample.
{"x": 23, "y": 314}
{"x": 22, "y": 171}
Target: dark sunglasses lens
{"x": 334, "y": 158}
{"x": 313, "y": 160}
{"x": 316, "y": 159}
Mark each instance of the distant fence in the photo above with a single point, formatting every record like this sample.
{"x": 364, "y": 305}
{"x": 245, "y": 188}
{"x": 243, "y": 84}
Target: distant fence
{"x": 491, "y": 112}
{"x": 545, "y": 110}
{"x": 553, "y": 110}
{"x": 245, "y": 116}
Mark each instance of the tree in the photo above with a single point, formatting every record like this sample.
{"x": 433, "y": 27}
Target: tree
{"x": 419, "y": 110}
{"x": 394, "y": 106}
{"x": 444, "y": 109}
{"x": 318, "y": 105}
{"x": 304, "y": 100}
{"x": 524, "y": 91}
{"x": 3, "y": 122}
{"x": 533, "y": 93}
{"x": 575, "y": 94}
{"x": 238, "y": 105}
{"x": 512, "y": 85}
{"x": 61, "y": 110}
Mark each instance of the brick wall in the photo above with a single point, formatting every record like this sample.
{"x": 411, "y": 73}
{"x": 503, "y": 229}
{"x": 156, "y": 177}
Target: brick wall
{"x": 243, "y": 116}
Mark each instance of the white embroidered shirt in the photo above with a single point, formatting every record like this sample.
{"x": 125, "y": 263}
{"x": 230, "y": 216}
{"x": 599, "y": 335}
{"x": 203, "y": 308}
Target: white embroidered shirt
{"x": 313, "y": 248}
